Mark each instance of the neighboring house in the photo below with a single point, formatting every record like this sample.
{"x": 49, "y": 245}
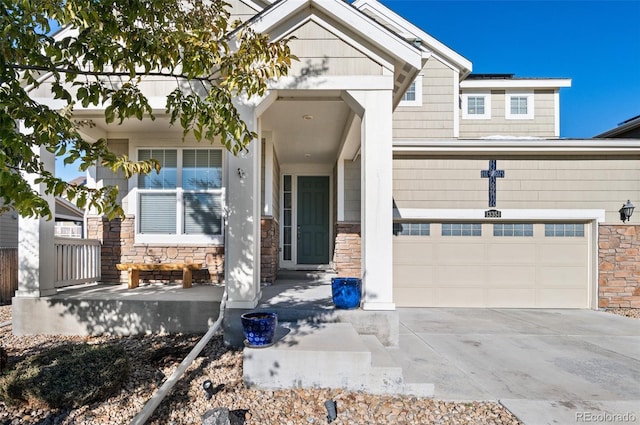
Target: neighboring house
{"x": 628, "y": 129}
{"x": 69, "y": 219}
{"x": 9, "y": 229}
{"x": 384, "y": 157}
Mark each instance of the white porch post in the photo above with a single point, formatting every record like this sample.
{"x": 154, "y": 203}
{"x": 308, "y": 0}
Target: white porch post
{"x": 377, "y": 200}
{"x": 36, "y": 248}
{"x": 242, "y": 241}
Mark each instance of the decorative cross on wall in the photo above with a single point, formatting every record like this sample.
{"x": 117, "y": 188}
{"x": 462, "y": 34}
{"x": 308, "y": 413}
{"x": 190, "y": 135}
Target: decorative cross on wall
{"x": 492, "y": 173}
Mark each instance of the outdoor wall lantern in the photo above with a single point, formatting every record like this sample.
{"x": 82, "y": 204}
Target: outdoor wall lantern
{"x": 626, "y": 211}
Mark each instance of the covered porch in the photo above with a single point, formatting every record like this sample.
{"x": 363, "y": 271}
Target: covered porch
{"x": 95, "y": 308}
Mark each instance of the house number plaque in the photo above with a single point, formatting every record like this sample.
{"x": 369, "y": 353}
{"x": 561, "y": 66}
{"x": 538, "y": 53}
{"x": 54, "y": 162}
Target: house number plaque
{"x": 492, "y": 214}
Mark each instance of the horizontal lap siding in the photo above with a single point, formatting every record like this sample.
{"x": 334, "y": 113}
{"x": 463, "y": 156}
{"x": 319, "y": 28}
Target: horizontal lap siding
{"x": 542, "y": 125}
{"x": 528, "y": 184}
{"x": 8, "y": 230}
{"x": 321, "y": 52}
{"x": 240, "y": 11}
{"x": 352, "y": 191}
{"x": 434, "y": 119}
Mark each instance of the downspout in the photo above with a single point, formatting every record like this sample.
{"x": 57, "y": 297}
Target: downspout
{"x": 168, "y": 385}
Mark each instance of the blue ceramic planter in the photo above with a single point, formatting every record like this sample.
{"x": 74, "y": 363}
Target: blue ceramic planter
{"x": 259, "y": 328}
{"x": 346, "y": 292}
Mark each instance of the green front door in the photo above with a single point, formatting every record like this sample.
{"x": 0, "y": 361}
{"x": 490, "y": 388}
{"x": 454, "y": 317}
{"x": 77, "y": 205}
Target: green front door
{"x": 313, "y": 220}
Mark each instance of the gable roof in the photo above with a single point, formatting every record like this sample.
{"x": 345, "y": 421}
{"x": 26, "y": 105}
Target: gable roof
{"x": 412, "y": 33}
{"x": 271, "y": 17}
{"x": 402, "y": 57}
{"x": 628, "y": 128}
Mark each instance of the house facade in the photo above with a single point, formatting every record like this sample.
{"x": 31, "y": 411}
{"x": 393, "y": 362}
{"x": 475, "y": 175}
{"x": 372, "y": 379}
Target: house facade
{"x": 383, "y": 156}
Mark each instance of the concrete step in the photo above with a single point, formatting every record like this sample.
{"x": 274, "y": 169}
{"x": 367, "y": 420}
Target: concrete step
{"x": 325, "y": 355}
{"x": 385, "y": 376}
{"x": 415, "y": 383}
{"x": 389, "y": 377}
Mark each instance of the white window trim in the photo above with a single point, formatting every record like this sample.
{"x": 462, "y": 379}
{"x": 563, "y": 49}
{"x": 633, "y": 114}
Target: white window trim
{"x": 507, "y": 105}
{"x": 487, "y": 106}
{"x": 177, "y": 239}
{"x": 418, "y": 101}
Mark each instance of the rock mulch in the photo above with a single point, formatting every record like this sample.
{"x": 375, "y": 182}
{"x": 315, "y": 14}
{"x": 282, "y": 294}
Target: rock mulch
{"x": 155, "y": 357}
{"x": 627, "y": 312}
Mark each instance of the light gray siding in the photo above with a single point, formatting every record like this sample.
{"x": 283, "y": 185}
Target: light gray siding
{"x": 434, "y": 119}
{"x": 352, "y": 190}
{"x": 8, "y": 230}
{"x": 276, "y": 187}
{"x": 323, "y": 53}
{"x": 108, "y": 177}
{"x": 542, "y": 125}
{"x": 550, "y": 183}
{"x": 240, "y": 11}
{"x": 275, "y": 196}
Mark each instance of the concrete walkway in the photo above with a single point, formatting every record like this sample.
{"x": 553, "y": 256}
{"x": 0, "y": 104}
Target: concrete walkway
{"x": 545, "y": 366}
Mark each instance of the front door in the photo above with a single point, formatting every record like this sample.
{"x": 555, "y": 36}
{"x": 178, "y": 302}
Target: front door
{"x": 313, "y": 220}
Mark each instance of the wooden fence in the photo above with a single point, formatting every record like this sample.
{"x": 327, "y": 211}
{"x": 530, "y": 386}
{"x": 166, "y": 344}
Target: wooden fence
{"x": 8, "y": 274}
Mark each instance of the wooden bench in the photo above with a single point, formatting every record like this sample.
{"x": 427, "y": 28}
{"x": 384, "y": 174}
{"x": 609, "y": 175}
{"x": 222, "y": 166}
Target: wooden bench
{"x": 134, "y": 270}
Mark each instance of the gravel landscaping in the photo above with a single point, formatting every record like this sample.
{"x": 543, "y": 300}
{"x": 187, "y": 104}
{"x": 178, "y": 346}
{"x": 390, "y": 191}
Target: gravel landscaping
{"x": 155, "y": 357}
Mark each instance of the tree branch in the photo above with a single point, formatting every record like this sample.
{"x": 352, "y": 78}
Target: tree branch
{"x": 107, "y": 73}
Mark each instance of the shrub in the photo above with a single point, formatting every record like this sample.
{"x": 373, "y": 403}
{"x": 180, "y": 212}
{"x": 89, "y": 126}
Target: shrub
{"x": 70, "y": 376}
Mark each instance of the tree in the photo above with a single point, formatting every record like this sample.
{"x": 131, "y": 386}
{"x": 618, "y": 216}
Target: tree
{"x": 107, "y": 48}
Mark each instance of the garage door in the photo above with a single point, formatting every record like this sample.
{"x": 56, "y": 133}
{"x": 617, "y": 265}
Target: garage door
{"x": 519, "y": 265}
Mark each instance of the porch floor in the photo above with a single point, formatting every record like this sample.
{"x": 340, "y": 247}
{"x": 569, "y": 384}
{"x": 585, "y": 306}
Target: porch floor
{"x": 146, "y": 292}
{"x": 114, "y": 309}
{"x": 308, "y": 293}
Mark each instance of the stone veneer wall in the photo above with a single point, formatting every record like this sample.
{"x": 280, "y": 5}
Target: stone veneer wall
{"x": 269, "y": 238}
{"x": 619, "y": 265}
{"x": 117, "y": 237}
{"x": 347, "y": 254}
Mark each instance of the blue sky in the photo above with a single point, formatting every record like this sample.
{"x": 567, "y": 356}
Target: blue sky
{"x": 595, "y": 43}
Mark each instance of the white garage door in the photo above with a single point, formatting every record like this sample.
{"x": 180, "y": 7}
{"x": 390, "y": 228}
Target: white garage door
{"x": 522, "y": 265}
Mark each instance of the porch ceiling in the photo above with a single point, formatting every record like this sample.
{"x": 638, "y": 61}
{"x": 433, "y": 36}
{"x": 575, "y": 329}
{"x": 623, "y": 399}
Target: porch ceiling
{"x": 307, "y": 131}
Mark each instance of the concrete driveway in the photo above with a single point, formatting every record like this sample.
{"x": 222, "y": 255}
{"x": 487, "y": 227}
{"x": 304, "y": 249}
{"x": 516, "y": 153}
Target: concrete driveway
{"x": 545, "y": 366}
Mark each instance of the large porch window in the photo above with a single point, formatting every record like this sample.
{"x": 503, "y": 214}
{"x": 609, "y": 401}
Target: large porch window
{"x": 184, "y": 200}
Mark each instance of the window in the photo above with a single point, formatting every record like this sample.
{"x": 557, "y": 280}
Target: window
{"x": 413, "y": 95}
{"x": 461, "y": 229}
{"x": 184, "y": 199}
{"x": 519, "y": 106}
{"x": 476, "y": 106}
{"x": 513, "y": 229}
{"x": 411, "y": 229}
{"x": 564, "y": 230}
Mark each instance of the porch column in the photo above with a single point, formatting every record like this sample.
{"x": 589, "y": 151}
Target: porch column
{"x": 36, "y": 246}
{"x": 242, "y": 240}
{"x": 377, "y": 200}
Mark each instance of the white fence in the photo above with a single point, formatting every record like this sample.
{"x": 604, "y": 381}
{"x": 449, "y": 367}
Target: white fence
{"x": 77, "y": 261}
{"x": 68, "y": 231}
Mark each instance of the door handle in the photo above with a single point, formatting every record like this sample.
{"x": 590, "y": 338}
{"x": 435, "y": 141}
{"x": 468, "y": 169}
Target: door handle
{"x": 298, "y": 232}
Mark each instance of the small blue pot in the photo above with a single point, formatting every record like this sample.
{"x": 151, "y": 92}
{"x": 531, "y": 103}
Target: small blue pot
{"x": 259, "y": 328}
{"x": 346, "y": 292}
